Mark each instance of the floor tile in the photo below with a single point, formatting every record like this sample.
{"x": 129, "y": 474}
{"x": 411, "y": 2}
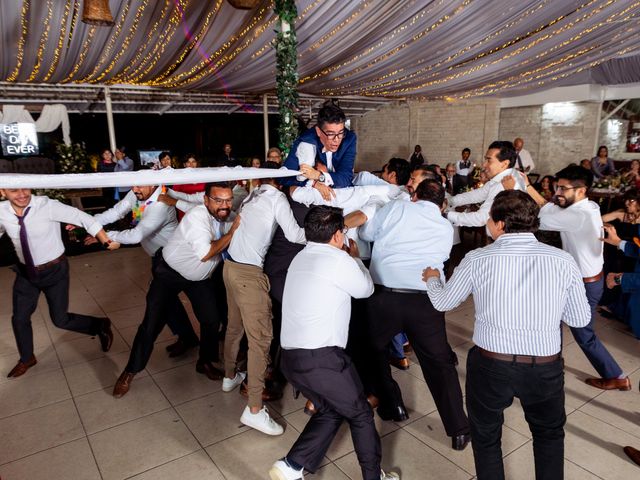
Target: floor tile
{"x": 100, "y": 410}
{"x": 160, "y": 360}
{"x": 87, "y": 348}
{"x": 36, "y": 430}
{"x": 72, "y": 460}
{"x": 416, "y": 395}
{"x": 232, "y": 456}
{"x": 127, "y": 317}
{"x": 195, "y": 466}
{"x": 287, "y": 404}
{"x": 129, "y": 333}
{"x": 519, "y": 464}
{"x": 183, "y": 383}
{"x": 412, "y": 459}
{"x": 47, "y": 362}
{"x": 142, "y": 444}
{"x": 32, "y": 391}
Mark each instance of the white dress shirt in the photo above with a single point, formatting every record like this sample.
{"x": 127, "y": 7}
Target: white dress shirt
{"x": 191, "y": 241}
{"x": 463, "y": 171}
{"x": 522, "y": 289}
{"x": 526, "y": 159}
{"x": 263, "y": 210}
{"x": 408, "y": 237}
{"x": 186, "y": 201}
{"x": 306, "y": 154}
{"x": 484, "y": 195}
{"x": 156, "y": 225}
{"x": 580, "y": 227}
{"x": 43, "y": 227}
{"x": 316, "y": 303}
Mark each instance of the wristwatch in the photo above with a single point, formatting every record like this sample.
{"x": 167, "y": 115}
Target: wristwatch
{"x": 105, "y": 245}
{"x": 321, "y": 177}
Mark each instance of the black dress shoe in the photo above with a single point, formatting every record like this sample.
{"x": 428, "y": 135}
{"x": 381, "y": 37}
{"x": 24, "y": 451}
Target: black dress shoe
{"x": 105, "y": 335}
{"x": 209, "y": 370}
{"x": 180, "y": 347}
{"x": 460, "y": 442}
{"x": 397, "y": 413}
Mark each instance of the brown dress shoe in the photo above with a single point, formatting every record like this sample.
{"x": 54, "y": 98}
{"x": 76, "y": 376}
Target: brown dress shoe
{"x": 610, "y": 383}
{"x": 401, "y": 363}
{"x": 373, "y": 401}
{"x": 123, "y": 384}
{"x": 268, "y": 394}
{"x": 633, "y": 454}
{"x": 105, "y": 335}
{"x": 207, "y": 368}
{"x": 310, "y": 408}
{"x": 22, "y": 367}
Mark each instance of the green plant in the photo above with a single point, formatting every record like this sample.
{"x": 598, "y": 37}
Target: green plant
{"x": 71, "y": 158}
{"x": 286, "y": 46}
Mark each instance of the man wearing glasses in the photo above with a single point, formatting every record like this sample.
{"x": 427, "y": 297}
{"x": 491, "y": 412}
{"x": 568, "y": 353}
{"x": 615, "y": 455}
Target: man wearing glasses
{"x": 190, "y": 256}
{"x": 580, "y": 225}
{"x": 325, "y": 154}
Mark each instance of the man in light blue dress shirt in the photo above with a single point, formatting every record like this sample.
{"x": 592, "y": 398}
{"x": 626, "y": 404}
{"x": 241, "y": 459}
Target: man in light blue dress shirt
{"x": 522, "y": 290}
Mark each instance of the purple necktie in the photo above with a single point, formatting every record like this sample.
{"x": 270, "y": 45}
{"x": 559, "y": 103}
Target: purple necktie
{"x": 24, "y": 241}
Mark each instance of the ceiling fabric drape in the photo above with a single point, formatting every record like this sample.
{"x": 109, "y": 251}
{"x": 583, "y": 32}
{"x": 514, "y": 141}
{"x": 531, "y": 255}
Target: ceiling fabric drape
{"x": 392, "y": 48}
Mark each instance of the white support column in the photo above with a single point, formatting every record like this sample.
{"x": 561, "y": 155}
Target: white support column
{"x": 596, "y": 140}
{"x": 265, "y": 122}
{"x": 110, "y": 126}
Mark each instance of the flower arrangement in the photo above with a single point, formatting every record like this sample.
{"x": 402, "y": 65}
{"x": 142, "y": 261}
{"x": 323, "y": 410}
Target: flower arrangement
{"x": 72, "y": 158}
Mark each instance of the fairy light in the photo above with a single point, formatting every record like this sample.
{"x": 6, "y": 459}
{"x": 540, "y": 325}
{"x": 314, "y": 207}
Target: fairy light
{"x": 193, "y": 43}
{"x": 24, "y": 14}
{"x": 127, "y": 40}
{"x": 58, "y": 49}
{"x": 125, "y": 76}
{"x": 380, "y": 89}
{"x": 106, "y": 53}
{"x": 43, "y": 42}
{"x": 82, "y": 56}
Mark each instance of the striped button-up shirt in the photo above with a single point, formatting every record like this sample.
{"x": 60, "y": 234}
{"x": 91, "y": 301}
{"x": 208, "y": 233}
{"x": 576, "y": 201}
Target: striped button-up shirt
{"x": 522, "y": 290}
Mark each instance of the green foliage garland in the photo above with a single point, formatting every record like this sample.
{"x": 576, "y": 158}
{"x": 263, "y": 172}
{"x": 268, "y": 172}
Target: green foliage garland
{"x": 72, "y": 158}
{"x": 286, "y": 46}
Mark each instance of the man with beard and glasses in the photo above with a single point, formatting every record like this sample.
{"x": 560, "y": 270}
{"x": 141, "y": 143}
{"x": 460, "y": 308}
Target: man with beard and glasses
{"x": 152, "y": 226}
{"x": 191, "y": 255}
{"x": 580, "y": 225}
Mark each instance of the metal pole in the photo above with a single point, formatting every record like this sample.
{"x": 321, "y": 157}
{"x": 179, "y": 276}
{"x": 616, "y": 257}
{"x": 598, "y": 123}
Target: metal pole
{"x": 112, "y": 130}
{"x": 265, "y": 122}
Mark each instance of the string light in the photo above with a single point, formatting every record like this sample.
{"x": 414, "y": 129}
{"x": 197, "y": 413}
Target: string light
{"x": 58, "y": 49}
{"x": 83, "y": 54}
{"x": 43, "y": 42}
{"x": 24, "y": 14}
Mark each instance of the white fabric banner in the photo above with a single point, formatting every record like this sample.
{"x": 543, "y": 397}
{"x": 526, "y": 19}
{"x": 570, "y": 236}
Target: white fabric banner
{"x": 167, "y": 176}
{"x": 51, "y": 117}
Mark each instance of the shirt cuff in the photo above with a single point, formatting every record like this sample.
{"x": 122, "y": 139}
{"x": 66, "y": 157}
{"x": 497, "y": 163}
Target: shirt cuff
{"x": 622, "y": 246}
{"x": 327, "y": 179}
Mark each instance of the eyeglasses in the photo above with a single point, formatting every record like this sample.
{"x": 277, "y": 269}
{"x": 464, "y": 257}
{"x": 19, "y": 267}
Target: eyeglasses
{"x": 221, "y": 201}
{"x": 631, "y": 200}
{"x": 332, "y": 135}
{"x": 564, "y": 189}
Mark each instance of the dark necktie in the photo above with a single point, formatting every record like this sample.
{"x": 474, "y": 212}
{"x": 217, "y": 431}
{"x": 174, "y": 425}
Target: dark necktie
{"x": 520, "y": 163}
{"x": 24, "y": 241}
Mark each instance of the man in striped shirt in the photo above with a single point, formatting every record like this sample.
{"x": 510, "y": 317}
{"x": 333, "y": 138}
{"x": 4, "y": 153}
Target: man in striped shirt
{"x": 522, "y": 291}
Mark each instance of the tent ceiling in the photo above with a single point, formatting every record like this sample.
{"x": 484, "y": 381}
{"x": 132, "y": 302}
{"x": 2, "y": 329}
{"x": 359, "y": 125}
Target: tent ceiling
{"x": 374, "y": 48}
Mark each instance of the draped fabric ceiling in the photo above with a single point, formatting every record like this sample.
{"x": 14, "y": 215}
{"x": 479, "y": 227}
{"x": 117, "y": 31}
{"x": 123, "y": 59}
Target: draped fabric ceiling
{"x": 378, "y": 48}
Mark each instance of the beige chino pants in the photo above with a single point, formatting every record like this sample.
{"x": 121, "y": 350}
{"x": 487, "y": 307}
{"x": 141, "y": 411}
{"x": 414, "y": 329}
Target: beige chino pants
{"x": 249, "y": 311}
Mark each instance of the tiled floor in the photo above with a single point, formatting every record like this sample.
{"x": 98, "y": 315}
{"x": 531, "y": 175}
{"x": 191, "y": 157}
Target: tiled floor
{"x": 60, "y": 422}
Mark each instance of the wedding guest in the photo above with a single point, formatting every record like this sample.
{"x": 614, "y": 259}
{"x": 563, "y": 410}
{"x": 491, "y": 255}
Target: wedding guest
{"x": 546, "y": 187}
{"x": 601, "y": 164}
{"x": 123, "y": 164}
{"x": 107, "y": 164}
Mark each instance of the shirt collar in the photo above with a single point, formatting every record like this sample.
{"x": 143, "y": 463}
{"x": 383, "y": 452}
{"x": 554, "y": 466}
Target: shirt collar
{"x": 509, "y": 238}
{"x": 498, "y": 178}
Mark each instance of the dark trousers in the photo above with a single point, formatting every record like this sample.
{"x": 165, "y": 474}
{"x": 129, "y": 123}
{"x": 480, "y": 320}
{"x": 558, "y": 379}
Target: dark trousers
{"x": 359, "y": 347}
{"x": 54, "y": 282}
{"x": 327, "y": 378}
{"x": 590, "y": 344}
{"x": 491, "y": 386}
{"x": 391, "y": 313}
{"x": 177, "y": 317}
{"x": 166, "y": 285}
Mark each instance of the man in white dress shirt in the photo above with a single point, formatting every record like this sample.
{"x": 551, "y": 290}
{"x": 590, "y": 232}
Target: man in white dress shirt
{"x": 405, "y": 236}
{"x": 580, "y": 225}
{"x": 154, "y": 223}
{"x": 191, "y": 255}
{"x": 248, "y": 298}
{"x": 524, "y": 162}
{"x": 522, "y": 290}
{"x": 316, "y": 308}
{"x": 33, "y": 224}
{"x": 498, "y": 163}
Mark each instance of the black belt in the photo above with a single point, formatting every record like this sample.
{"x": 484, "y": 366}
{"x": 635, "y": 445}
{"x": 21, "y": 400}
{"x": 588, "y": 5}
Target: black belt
{"x": 527, "y": 359}
{"x": 401, "y": 290}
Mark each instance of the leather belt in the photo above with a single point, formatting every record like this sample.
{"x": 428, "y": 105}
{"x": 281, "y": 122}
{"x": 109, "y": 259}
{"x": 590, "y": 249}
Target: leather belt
{"x": 44, "y": 266}
{"x": 401, "y": 290}
{"x": 527, "y": 359}
{"x": 595, "y": 278}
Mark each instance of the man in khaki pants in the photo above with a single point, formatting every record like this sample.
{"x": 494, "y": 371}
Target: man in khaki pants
{"x": 248, "y": 294}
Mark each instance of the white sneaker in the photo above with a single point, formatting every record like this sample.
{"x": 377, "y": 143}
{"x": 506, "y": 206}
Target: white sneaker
{"x": 261, "y": 421}
{"x": 229, "y": 384}
{"x": 389, "y": 476}
{"x": 282, "y": 471}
